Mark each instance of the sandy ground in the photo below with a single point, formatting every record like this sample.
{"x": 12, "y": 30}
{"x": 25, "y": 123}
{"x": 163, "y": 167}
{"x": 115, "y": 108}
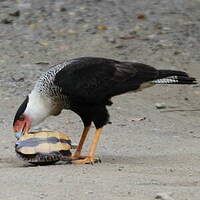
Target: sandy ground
{"x": 139, "y": 159}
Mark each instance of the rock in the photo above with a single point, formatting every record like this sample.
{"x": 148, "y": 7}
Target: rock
{"x": 43, "y": 43}
{"x": 164, "y": 196}
{"x": 71, "y": 31}
{"x": 89, "y": 192}
{"x": 160, "y": 105}
{"x": 137, "y": 28}
{"x": 119, "y": 46}
{"x": 127, "y": 37}
{"x": 82, "y": 9}
{"x": 91, "y": 30}
{"x": 120, "y": 168}
{"x": 34, "y": 26}
{"x": 15, "y": 14}
{"x": 158, "y": 26}
{"x": 63, "y": 9}
{"x": 6, "y": 21}
{"x": 110, "y": 39}
{"x": 101, "y": 27}
{"x": 165, "y": 43}
{"x": 172, "y": 170}
{"x": 18, "y": 78}
{"x": 152, "y": 36}
{"x": 141, "y": 16}
{"x": 71, "y": 13}
{"x": 177, "y": 52}
{"x": 137, "y": 119}
{"x": 79, "y": 20}
{"x": 166, "y": 28}
{"x": 60, "y": 180}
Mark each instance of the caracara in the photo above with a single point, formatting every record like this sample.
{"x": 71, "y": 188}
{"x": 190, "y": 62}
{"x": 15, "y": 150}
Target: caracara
{"x": 86, "y": 85}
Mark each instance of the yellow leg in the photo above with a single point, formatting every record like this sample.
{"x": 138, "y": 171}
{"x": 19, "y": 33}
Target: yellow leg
{"x": 77, "y": 154}
{"x": 90, "y": 158}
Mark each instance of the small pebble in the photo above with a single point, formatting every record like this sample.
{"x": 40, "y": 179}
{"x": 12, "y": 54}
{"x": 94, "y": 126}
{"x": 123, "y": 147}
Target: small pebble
{"x": 165, "y": 43}
{"x": 119, "y": 46}
{"x": 177, "y": 52}
{"x": 43, "y": 43}
{"x": 127, "y": 37}
{"x": 60, "y": 180}
{"x": 152, "y": 36}
{"x": 89, "y": 192}
{"x": 160, "y": 105}
{"x": 63, "y": 9}
{"x": 71, "y": 31}
{"x": 137, "y": 28}
{"x": 101, "y": 27}
{"x": 164, "y": 196}
{"x": 17, "y": 78}
{"x": 141, "y": 16}
{"x": 15, "y": 14}
{"x": 120, "y": 168}
{"x": 71, "y": 13}
{"x": 172, "y": 170}
{"x": 111, "y": 39}
{"x": 6, "y": 21}
{"x": 34, "y": 26}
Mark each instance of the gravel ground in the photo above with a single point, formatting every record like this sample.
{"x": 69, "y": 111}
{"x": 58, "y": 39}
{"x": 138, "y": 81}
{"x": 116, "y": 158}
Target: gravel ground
{"x": 139, "y": 158}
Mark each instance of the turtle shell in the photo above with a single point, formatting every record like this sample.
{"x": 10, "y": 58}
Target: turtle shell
{"x": 44, "y": 147}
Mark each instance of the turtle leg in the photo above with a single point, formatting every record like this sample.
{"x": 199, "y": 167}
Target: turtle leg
{"x": 77, "y": 153}
{"x": 90, "y": 159}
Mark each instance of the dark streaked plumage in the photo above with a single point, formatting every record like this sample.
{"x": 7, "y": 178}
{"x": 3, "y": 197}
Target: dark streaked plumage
{"x": 90, "y": 83}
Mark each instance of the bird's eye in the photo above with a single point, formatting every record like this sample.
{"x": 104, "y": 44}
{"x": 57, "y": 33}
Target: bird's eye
{"x": 21, "y": 118}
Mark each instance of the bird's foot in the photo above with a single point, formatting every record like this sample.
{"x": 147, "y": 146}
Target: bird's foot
{"x": 86, "y": 160}
{"x": 77, "y": 157}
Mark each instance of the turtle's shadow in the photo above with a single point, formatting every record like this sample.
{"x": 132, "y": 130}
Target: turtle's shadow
{"x": 14, "y": 162}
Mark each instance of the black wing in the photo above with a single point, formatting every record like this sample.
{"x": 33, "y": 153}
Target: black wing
{"x": 93, "y": 80}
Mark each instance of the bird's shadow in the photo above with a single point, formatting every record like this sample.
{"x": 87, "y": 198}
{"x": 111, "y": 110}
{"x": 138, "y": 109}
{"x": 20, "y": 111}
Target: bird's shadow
{"x": 14, "y": 162}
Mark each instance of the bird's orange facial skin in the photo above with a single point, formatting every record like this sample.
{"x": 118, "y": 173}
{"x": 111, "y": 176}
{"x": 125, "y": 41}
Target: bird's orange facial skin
{"x": 22, "y": 125}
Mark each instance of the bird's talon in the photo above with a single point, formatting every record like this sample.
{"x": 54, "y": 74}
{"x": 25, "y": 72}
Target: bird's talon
{"x": 87, "y": 160}
{"x": 77, "y": 157}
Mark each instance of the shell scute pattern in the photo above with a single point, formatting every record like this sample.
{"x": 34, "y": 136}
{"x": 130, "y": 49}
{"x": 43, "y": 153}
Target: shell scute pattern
{"x": 45, "y": 147}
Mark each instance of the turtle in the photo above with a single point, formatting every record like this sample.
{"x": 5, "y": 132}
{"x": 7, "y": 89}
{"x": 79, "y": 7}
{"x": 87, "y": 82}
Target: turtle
{"x": 43, "y": 147}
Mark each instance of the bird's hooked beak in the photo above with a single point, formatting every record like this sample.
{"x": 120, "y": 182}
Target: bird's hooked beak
{"x": 21, "y": 126}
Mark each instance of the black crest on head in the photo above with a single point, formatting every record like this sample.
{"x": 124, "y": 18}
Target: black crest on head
{"x": 20, "y": 110}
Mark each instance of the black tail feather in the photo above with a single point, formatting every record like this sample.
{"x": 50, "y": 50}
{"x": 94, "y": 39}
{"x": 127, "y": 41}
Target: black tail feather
{"x": 167, "y": 73}
{"x": 174, "y": 77}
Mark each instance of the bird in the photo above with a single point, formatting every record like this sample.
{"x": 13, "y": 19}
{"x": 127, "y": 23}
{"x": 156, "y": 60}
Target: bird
{"x": 86, "y": 85}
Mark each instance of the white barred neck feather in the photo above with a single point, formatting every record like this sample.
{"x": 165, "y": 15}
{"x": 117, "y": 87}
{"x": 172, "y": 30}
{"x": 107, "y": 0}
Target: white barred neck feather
{"x": 45, "y": 85}
{"x": 46, "y": 98}
{"x": 38, "y": 107}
